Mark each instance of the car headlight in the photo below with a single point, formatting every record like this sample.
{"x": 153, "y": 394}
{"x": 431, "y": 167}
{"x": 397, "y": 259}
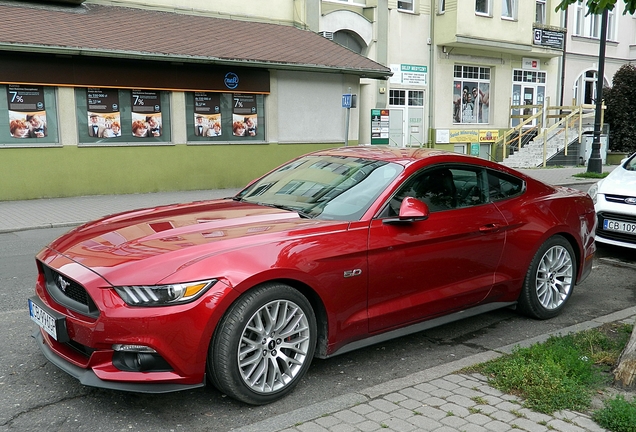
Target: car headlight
{"x": 163, "y": 295}
{"x": 593, "y": 192}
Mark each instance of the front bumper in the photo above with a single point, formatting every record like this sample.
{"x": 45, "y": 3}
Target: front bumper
{"x": 88, "y": 378}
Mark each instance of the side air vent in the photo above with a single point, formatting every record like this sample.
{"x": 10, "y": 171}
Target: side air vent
{"x": 326, "y": 35}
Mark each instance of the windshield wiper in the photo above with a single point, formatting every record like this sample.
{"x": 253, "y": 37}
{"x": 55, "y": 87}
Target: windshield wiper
{"x": 301, "y": 213}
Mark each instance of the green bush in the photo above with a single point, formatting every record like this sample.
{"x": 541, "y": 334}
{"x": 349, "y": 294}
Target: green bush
{"x": 618, "y": 415}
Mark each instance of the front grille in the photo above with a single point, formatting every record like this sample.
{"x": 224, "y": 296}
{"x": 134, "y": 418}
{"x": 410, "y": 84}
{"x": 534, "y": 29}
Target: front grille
{"x": 612, "y": 235}
{"x": 619, "y": 199}
{"x": 68, "y": 292}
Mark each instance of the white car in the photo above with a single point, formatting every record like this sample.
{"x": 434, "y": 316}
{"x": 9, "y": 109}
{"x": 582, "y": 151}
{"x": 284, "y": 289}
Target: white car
{"x": 615, "y": 204}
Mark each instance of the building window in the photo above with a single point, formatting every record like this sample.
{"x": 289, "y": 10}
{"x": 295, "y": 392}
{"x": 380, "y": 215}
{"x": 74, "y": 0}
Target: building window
{"x": 441, "y": 8}
{"x": 540, "y": 12}
{"x": 590, "y": 25}
{"x": 225, "y": 117}
{"x": 416, "y": 98}
{"x": 30, "y": 116}
{"x": 107, "y": 116}
{"x": 509, "y": 9}
{"x": 482, "y": 7}
{"x": 406, "y": 5}
{"x": 471, "y": 94}
{"x": 397, "y": 97}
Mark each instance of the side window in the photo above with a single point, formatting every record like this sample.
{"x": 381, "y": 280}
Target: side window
{"x": 469, "y": 186}
{"x": 434, "y": 186}
{"x": 502, "y": 186}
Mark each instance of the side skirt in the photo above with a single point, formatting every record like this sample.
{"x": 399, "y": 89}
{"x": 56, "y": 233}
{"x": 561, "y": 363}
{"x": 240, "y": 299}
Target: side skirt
{"x": 418, "y": 327}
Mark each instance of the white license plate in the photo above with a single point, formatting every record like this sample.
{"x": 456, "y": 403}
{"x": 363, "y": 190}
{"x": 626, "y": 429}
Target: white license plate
{"x": 46, "y": 321}
{"x": 619, "y": 226}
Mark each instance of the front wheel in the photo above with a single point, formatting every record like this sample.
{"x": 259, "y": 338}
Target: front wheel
{"x": 550, "y": 279}
{"x": 263, "y": 345}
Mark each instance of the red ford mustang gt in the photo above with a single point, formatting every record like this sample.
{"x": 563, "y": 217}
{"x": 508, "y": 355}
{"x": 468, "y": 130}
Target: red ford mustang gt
{"x": 330, "y": 252}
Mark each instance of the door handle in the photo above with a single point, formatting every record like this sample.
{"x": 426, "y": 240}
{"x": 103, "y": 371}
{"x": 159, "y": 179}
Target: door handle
{"x": 488, "y": 228}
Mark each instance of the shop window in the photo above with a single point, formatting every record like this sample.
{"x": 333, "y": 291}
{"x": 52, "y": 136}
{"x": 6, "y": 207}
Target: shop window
{"x": 30, "y": 118}
{"x": 225, "y": 117}
{"x": 471, "y": 94}
{"x": 107, "y": 116}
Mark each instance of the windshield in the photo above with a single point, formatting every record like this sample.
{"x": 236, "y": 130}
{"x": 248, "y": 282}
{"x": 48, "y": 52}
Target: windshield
{"x": 324, "y": 187}
{"x": 630, "y": 164}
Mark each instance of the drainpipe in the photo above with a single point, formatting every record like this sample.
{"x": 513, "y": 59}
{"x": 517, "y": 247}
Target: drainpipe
{"x": 431, "y": 50}
{"x": 565, "y": 41}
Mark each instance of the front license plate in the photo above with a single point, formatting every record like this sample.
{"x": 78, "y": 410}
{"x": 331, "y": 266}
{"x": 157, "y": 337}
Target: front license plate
{"x": 619, "y": 226}
{"x": 52, "y": 323}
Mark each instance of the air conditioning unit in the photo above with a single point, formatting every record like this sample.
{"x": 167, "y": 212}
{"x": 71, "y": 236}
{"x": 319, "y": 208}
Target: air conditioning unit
{"x": 326, "y": 34}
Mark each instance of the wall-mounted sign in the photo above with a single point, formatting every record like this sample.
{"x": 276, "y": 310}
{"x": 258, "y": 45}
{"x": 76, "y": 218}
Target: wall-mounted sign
{"x": 463, "y": 135}
{"x": 549, "y": 38}
{"x": 487, "y": 136}
{"x": 409, "y": 74}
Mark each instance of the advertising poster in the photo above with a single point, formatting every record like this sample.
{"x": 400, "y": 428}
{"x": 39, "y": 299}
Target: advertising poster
{"x": 104, "y": 119}
{"x": 207, "y": 114}
{"x": 471, "y": 101}
{"x": 244, "y": 115}
{"x": 27, "y": 114}
{"x": 146, "y": 113}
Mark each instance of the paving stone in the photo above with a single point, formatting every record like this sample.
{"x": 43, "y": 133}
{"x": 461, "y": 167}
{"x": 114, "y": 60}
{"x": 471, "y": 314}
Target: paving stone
{"x": 328, "y": 421}
{"x": 395, "y": 397}
{"x": 414, "y": 393}
{"x": 311, "y": 427}
{"x": 497, "y": 426}
{"x": 343, "y": 428}
{"x": 362, "y": 409}
{"x": 368, "y": 426}
{"x": 424, "y": 423}
{"x": 397, "y": 424}
{"x": 411, "y": 404}
{"x": 454, "y": 421}
{"x": 478, "y": 419}
{"x": 349, "y": 416}
{"x": 529, "y": 425}
{"x": 564, "y": 426}
{"x": 444, "y": 384}
{"x": 460, "y": 400}
{"x": 455, "y": 409}
{"x": 383, "y": 405}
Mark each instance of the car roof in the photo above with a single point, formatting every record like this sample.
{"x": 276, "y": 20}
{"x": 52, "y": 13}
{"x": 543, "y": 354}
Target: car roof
{"x": 403, "y": 156}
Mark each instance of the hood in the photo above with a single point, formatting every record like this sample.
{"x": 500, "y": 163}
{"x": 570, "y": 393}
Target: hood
{"x": 161, "y": 240}
{"x": 619, "y": 182}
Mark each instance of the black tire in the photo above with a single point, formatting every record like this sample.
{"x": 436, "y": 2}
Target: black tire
{"x": 273, "y": 326}
{"x": 550, "y": 280}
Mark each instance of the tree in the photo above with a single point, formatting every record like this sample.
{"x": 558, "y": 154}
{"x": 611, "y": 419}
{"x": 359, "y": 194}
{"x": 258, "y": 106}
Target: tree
{"x": 620, "y": 100}
{"x": 596, "y": 7}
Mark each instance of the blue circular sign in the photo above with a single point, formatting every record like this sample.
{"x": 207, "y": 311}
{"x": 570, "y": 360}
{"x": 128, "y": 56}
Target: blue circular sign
{"x": 231, "y": 80}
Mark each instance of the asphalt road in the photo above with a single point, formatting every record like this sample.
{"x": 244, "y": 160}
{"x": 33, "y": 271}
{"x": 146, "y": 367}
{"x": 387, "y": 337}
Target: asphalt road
{"x": 37, "y": 396}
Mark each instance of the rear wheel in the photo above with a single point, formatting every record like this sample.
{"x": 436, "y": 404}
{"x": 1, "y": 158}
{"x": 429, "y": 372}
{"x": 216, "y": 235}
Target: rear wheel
{"x": 263, "y": 345}
{"x": 550, "y": 279}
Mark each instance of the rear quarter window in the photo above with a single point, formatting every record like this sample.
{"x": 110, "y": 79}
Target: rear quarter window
{"x": 502, "y": 186}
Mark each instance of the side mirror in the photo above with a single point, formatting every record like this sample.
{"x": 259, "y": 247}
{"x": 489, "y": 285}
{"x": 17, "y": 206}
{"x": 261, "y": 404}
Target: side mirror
{"x": 411, "y": 210}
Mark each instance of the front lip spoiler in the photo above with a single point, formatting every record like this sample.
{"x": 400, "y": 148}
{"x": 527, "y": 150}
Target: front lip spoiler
{"x": 88, "y": 378}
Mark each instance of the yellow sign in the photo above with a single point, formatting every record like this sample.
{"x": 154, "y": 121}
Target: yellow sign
{"x": 488, "y": 135}
{"x": 463, "y": 135}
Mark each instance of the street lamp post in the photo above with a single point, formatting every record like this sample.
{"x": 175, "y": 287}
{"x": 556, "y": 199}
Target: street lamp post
{"x": 595, "y": 163}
